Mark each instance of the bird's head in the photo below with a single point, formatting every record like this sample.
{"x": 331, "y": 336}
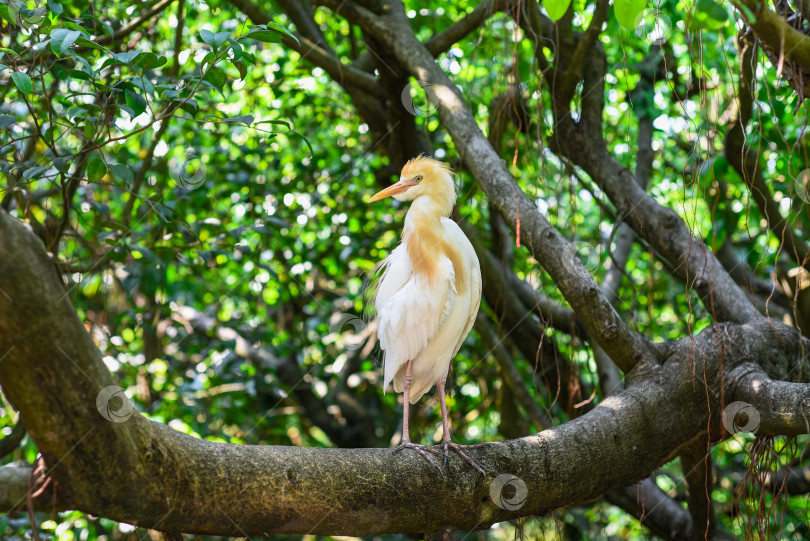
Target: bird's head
{"x": 423, "y": 177}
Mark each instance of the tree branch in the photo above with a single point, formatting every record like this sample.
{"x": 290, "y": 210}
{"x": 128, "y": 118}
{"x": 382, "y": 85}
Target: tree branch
{"x": 654, "y": 508}
{"x": 697, "y": 474}
{"x": 12, "y": 442}
{"x": 583, "y": 48}
{"x": 313, "y": 47}
{"x": 783, "y": 407}
{"x": 441, "y": 42}
{"x": 775, "y": 32}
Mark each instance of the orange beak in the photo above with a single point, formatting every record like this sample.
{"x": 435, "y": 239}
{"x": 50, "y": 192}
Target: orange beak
{"x": 401, "y": 186}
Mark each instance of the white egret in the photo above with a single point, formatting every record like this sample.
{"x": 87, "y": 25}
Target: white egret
{"x": 428, "y": 293}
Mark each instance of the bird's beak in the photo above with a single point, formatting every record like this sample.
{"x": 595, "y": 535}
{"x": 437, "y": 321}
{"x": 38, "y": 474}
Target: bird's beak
{"x": 394, "y": 189}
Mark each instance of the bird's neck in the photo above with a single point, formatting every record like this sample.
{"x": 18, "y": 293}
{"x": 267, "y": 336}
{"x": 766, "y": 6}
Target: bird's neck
{"x": 428, "y": 210}
{"x": 423, "y": 222}
{"x": 425, "y": 241}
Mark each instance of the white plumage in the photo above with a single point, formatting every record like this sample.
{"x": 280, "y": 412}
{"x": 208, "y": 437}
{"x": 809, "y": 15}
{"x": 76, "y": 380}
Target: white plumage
{"x": 422, "y": 321}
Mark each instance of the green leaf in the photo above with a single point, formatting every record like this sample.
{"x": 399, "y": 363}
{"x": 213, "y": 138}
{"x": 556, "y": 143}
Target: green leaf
{"x": 269, "y": 33}
{"x": 62, "y": 164}
{"x": 107, "y": 27}
{"x": 189, "y": 106}
{"x": 149, "y": 61}
{"x": 214, "y": 39}
{"x": 627, "y": 11}
{"x": 556, "y": 8}
{"x": 247, "y": 120}
{"x": 141, "y": 83}
{"x": 42, "y": 45}
{"x": 278, "y": 28}
{"x": 60, "y": 71}
{"x": 62, "y": 39}
{"x": 718, "y": 13}
{"x": 22, "y": 81}
{"x": 73, "y": 26}
{"x": 126, "y": 58}
{"x": 236, "y": 48}
{"x": 217, "y": 78}
{"x": 56, "y": 7}
{"x": 28, "y": 174}
{"x": 96, "y": 169}
{"x": 209, "y": 59}
{"x": 85, "y": 64}
{"x": 84, "y": 42}
{"x": 241, "y": 67}
{"x": 6, "y": 120}
{"x": 79, "y": 74}
{"x": 136, "y": 102}
{"x": 122, "y": 171}
{"x": 266, "y": 36}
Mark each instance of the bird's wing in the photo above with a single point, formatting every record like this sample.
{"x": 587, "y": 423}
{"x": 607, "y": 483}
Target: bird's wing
{"x": 458, "y": 237}
{"x": 410, "y": 311}
{"x": 394, "y": 272}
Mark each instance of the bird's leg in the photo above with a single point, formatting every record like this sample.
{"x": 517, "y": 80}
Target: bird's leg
{"x": 406, "y": 439}
{"x": 406, "y": 403}
{"x": 446, "y": 443}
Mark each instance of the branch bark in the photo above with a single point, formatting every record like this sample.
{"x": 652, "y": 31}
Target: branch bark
{"x": 696, "y": 463}
{"x": 774, "y": 31}
{"x": 780, "y": 407}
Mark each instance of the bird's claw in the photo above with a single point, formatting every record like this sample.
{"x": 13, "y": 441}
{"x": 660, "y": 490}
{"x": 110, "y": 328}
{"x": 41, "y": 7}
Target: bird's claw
{"x": 419, "y": 448}
{"x": 447, "y": 446}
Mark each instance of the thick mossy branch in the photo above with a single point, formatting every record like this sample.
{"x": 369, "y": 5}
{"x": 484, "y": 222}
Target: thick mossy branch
{"x": 788, "y": 42}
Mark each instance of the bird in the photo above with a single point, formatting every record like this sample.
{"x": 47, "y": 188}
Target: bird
{"x": 426, "y": 296}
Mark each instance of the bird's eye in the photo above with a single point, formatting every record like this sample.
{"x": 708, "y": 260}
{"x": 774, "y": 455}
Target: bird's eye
{"x": 418, "y": 178}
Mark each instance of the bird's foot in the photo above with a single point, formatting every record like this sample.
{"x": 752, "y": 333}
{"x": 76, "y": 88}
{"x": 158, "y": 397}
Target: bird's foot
{"x": 448, "y": 446}
{"x": 419, "y": 448}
